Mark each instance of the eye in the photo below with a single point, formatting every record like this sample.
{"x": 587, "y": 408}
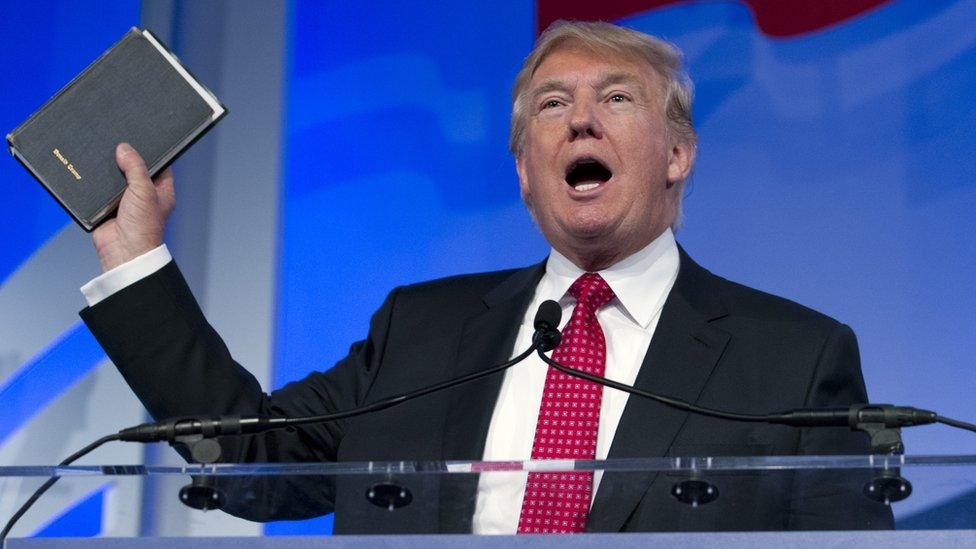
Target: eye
{"x": 551, "y": 104}
{"x": 619, "y": 98}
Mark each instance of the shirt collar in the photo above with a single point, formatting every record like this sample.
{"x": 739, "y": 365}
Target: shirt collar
{"x": 641, "y": 281}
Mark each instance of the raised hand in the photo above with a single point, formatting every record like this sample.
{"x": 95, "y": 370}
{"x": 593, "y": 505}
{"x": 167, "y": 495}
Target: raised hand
{"x": 140, "y": 222}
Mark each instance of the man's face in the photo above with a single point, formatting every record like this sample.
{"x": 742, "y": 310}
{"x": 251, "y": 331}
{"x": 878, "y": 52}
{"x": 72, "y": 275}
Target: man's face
{"x": 596, "y": 167}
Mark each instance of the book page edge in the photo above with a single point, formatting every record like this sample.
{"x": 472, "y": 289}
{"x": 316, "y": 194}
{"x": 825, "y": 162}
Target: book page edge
{"x": 207, "y": 96}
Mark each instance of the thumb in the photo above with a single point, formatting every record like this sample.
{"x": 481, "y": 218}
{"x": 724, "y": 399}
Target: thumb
{"x": 134, "y": 168}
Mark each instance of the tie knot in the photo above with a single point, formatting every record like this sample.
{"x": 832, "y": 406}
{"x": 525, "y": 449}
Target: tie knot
{"x": 591, "y": 290}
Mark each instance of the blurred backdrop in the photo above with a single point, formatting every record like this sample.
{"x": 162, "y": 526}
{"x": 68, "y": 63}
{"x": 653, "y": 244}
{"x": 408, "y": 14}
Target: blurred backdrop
{"x": 366, "y": 148}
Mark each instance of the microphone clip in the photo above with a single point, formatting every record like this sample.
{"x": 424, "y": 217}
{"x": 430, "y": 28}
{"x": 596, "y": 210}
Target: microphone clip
{"x": 202, "y": 492}
{"x": 546, "y": 339}
{"x": 883, "y": 422}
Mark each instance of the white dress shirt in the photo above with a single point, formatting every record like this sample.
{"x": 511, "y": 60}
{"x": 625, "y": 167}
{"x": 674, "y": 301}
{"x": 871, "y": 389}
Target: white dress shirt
{"x": 641, "y": 284}
{"x": 125, "y": 274}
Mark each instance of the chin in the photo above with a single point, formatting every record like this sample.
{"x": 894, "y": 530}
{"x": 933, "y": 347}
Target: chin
{"x": 591, "y": 234}
{"x": 590, "y": 226}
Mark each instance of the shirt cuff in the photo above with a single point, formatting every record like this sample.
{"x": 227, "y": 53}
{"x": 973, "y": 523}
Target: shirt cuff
{"x": 125, "y": 274}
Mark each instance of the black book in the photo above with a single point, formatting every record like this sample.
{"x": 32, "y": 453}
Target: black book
{"x": 137, "y": 92}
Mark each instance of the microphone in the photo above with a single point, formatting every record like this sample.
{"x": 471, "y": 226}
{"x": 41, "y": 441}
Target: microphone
{"x": 884, "y": 415}
{"x": 547, "y": 325}
{"x": 545, "y": 338}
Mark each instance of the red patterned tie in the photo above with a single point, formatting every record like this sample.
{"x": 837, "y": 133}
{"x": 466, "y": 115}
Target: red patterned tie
{"x": 569, "y": 416}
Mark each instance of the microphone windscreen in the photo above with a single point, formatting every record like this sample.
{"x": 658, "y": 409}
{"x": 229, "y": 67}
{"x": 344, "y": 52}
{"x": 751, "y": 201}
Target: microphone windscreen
{"x": 548, "y": 315}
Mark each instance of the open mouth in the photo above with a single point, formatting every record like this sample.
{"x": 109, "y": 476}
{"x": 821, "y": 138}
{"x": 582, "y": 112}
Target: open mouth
{"x": 586, "y": 174}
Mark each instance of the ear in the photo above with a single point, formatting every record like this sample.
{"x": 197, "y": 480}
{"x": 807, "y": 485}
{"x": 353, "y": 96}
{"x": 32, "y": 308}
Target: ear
{"x": 681, "y": 158}
{"x": 523, "y": 182}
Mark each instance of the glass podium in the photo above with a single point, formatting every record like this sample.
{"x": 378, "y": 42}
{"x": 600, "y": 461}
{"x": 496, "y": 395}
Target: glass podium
{"x": 726, "y": 500}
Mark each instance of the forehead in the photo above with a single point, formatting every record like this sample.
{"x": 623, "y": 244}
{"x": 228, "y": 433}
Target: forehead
{"x": 573, "y": 63}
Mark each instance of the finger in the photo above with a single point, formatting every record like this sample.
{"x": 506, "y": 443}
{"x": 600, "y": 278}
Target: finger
{"x": 165, "y": 189}
{"x": 134, "y": 168}
{"x": 163, "y": 175}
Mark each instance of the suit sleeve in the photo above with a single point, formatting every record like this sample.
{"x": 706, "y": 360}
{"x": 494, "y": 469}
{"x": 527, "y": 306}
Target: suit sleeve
{"x": 833, "y": 500}
{"x": 156, "y": 335}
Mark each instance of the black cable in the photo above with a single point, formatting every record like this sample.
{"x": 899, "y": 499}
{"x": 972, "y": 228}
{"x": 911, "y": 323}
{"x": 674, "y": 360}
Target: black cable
{"x": 956, "y": 423}
{"x": 401, "y": 398}
{"x": 891, "y": 416}
{"x": 666, "y": 400}
{"x": 170, "y": 430}
{"x": 50, "y": 482}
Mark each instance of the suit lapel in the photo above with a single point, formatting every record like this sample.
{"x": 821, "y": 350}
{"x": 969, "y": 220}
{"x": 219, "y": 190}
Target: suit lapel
{"x": 487, "y": 338}
{"x": 682, "y": 354}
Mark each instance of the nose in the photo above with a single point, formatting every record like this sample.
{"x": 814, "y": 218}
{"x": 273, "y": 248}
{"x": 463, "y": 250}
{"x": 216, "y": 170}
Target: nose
{"x": 584, "y": 121}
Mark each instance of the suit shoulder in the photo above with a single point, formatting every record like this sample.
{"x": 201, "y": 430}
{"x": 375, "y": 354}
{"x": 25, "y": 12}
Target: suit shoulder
{"x": 744, "y": 301}
{"x": 459, "y": 289}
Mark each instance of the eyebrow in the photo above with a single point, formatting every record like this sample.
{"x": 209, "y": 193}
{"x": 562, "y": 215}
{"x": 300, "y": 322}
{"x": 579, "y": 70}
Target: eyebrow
{"x": 551, "y": 85}
{"x": 605, "y": 80}
{"x": 613, "y": 78}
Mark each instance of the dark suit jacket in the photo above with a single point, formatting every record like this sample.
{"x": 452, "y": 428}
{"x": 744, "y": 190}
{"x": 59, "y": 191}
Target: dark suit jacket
{"x": 718, "y": 344}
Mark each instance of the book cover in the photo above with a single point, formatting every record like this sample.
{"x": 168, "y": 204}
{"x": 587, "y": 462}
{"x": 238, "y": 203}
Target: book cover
{"x": 136, "y": 92}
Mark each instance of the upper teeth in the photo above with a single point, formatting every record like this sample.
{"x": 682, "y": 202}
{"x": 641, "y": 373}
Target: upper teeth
{"x": 587, "y": 186}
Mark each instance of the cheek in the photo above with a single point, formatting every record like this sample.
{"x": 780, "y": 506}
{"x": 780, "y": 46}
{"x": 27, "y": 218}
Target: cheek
{"x": 650, "y": 154}
{"x": 538, "y": 174}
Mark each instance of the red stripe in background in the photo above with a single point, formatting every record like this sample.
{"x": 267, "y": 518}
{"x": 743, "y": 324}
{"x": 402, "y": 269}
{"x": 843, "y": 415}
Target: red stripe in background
{"x": 777, "y": 18}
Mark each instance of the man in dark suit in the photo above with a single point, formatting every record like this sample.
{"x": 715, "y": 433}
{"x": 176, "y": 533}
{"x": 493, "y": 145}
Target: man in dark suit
{"x": 603, "y": 143}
